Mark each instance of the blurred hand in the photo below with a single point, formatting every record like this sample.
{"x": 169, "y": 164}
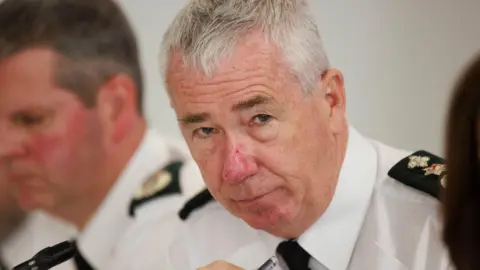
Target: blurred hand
{"x": 220, "y": 265}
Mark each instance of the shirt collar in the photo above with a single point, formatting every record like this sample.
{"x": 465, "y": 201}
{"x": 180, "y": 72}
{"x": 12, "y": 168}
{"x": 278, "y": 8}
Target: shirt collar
{"x": 332, "y": 238}
{"x": 37, "y": 232}
{"x": 111, "y": 219}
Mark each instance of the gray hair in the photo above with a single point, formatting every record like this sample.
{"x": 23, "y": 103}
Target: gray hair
{"x": 205, "y": 32}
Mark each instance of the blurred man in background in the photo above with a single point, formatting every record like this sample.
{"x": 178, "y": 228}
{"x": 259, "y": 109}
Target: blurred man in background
{"x": 73, "y": 138}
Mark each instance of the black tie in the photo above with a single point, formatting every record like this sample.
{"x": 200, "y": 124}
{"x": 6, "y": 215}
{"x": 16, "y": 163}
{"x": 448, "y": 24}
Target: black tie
{"x": 295, "y": 257}
{"x": 80, "y": 261}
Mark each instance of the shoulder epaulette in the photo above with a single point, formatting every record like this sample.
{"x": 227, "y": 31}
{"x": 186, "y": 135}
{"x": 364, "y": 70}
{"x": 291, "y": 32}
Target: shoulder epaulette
{"x": 162, "y": 183}
{"x": 195, "y": 203}
{"x": 423, "y": 171}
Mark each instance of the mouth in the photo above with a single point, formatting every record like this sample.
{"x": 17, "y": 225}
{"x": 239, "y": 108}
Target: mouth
{"x": 18, "y": 177}
{"x": 252, "y": 200}
{"x": 21, "y": 179}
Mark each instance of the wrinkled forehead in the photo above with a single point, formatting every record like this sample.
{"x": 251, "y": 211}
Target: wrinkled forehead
{"x": 247, "y": 73}
{"x": 251, "y": 56}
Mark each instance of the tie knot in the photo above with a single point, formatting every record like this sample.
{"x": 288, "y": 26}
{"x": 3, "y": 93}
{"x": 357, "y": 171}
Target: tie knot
{"x": 294, "y": 256}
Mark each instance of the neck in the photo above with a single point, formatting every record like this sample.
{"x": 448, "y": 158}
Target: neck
{"x": 320, "y": 206}
{"x": 115, "y": 162}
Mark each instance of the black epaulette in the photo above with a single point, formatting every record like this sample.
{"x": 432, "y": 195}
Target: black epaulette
{"x": 423, "y": 171}
{"x": 198, "y": 201}
{"x": 162, "y": 183}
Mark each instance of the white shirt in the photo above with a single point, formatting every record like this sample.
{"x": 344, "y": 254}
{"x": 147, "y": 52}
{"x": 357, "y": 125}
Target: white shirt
{"x": 37, "y": 232}
{"x": 334, "y": 241}
{"x": 113, "y": 239}
{"x": 340, "y": 225}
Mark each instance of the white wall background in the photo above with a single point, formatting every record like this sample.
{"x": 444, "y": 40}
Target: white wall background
{"x": 400, "y": 60}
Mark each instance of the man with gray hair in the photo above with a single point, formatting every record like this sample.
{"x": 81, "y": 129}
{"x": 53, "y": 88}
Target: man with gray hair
{"x": 263, "y": 113}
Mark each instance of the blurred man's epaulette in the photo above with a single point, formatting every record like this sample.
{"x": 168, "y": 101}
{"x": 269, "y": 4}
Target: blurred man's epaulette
{"x": 164, "y": 182}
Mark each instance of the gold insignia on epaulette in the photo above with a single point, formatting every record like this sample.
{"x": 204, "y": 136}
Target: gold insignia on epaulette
{"x": 418, "y": 161}
{"x": 436, "y": 169}
{"x": 154, "y": 184}
{"x": 443, "y": 181}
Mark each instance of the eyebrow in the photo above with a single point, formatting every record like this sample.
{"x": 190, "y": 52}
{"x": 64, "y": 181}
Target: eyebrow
{"x": 196, "y": 118}
{"x": 250, "y": 103}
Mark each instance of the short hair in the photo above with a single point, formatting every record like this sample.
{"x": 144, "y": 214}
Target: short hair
{"x": 462, "y": 198}
{"x": 92, "y": 37}
{"x": 206, "y": 31}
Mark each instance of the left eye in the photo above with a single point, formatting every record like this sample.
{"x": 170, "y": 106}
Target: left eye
{"x": 261, "y": 119}
{"x": 30, "y": 120}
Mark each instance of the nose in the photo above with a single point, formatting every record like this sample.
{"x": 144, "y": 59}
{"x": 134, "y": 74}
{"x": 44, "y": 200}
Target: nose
{"x": 10, "y": 143}
{"x": 238, "y": 163}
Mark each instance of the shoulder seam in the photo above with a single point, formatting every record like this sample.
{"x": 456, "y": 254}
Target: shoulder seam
{"x": 198, "y": 201}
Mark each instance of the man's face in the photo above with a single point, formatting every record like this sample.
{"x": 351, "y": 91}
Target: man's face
{"x": 266, "y": 150}
{"x": 50, "y": 144}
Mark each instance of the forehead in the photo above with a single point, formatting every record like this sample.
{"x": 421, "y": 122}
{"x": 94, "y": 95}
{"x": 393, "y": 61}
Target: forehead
{"x": 254, "y": 63}
{"x": 28, "y": 78}
{"x": 29, "y": 62}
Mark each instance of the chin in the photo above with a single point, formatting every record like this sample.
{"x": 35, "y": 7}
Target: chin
{"x": 29, "y": 202}
{"x": 28, "y": 205}
{"x": 274, "y": 221}
{"x": 273, "y": 212}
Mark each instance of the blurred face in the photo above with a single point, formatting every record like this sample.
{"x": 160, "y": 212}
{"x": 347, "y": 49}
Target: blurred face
{"x": 267, "y": 152}
{"x": 50, "y": 144}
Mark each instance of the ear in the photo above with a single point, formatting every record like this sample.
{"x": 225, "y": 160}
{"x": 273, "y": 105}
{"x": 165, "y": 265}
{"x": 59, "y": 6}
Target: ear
{"x": 334, "y": 92}
{"x": 117, "y": 106}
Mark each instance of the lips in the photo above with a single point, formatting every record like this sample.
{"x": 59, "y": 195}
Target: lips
{"x": 18, "y": 177}
{"x": 21, "y": 178}
{"x": 253, "y": 200}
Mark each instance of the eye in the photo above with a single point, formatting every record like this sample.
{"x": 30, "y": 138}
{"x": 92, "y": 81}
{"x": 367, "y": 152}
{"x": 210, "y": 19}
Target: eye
{"x": 29, "y": 120}
{"x": 204, "y": 132}
{"x": 261, "y": 119}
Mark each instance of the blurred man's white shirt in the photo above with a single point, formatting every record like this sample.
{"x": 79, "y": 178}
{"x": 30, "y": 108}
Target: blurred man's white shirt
{"x": 37, "y": 232}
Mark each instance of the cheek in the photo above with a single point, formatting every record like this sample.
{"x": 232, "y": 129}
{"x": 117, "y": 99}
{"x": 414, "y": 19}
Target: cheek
{"x": 283, "y": 154}
{"x": 53, "y": 153}
{"x": 293, "y": 156}
{"x": 56, "y": 149}
{"x": 209, "y": 159}
{"x": 45, "y": 147}
{"x": 210, "y": 166}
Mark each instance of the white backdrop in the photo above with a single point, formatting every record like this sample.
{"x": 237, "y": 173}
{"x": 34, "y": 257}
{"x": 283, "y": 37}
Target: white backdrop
{"x": 400, "y": 60}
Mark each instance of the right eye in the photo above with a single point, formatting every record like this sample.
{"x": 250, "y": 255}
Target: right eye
{"x": 29, "y": 120}
{"x": 204, "y": 132}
